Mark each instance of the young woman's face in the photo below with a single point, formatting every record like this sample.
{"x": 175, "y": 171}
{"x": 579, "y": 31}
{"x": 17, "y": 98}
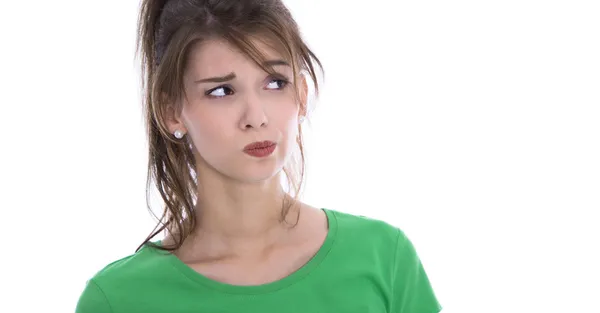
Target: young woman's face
{"x": 231, "y": 103}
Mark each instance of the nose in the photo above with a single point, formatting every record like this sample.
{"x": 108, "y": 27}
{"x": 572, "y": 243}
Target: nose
{"x": 254, "y": 114}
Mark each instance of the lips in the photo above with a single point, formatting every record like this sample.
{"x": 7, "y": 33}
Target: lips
{"x": 260, "y": 149}
{"x": 259, "y": 145}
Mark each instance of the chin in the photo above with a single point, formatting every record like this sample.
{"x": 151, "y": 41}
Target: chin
{"x": 258, "y": 173}
{"x": 248, "y": 170}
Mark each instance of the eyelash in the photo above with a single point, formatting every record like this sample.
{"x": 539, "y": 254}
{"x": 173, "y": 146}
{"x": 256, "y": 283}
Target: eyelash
{"x": 284, "y": 82}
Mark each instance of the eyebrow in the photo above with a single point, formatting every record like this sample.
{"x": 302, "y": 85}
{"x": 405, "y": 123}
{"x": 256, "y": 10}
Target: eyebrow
{"x": 230, "y": 76}
{"x": 275, "y": 63}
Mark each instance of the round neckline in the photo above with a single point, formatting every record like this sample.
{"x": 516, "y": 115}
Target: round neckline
{"x": 291, "y": 279}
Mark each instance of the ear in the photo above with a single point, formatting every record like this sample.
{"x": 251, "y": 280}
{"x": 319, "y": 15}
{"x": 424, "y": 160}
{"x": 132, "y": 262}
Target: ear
{"x": 303, "y": 96}
{"x": 173, "y": 119}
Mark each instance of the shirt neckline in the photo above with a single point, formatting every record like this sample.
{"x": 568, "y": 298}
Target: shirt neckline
{"x": 291, "y": 279}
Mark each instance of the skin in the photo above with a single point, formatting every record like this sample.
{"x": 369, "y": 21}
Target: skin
{"x": 239, "y": 238}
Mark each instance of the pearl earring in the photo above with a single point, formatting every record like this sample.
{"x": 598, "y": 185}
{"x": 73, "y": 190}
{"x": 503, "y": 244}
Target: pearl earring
{"x": 301, "y": 119}
{"x": 178, "y": 134}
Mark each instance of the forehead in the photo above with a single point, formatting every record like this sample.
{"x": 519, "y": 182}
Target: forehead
{"x": 216, "y": 56}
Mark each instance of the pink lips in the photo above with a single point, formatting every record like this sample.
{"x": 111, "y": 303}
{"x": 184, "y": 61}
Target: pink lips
{"x": 260, "y": 148}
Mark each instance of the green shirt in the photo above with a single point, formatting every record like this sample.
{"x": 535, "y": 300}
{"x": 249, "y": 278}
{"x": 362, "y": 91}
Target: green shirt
{"x": 364, "y": 265}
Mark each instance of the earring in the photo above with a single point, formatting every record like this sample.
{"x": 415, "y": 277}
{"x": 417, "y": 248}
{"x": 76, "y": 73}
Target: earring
{"x": 178, "y": 134}
{"x": 301, "y": 119}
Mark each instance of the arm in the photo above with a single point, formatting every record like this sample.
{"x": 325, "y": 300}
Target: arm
{"x": 412, "y": 291}
{"x": 93, "y": 300}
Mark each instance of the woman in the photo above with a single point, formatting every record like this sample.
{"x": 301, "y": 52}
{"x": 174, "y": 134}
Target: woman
{"x": 226, "y": 87}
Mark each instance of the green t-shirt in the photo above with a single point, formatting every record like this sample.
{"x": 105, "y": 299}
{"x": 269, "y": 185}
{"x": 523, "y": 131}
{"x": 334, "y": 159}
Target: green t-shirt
{"x": 364, "y": 265}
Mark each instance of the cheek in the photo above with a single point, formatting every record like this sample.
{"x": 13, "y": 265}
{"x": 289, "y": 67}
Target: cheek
{"x": 292, "y": 122}
{"x": 286, "y": 114}
{"x": 207, "y": 129}
{"x": 287, "y": 124}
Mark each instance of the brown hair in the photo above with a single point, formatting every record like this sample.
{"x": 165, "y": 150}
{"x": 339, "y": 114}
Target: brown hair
{"x": 167, "y": 31}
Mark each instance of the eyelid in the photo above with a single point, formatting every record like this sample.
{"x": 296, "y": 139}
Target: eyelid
{"x": 209, "y": 91}
{"x": 271, "y": 77}
{"x": 284, "y": 81}
{"x": 280, "y": 77}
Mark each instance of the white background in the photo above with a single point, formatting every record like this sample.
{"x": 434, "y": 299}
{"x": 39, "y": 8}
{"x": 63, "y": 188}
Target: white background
{"x": 472, "y": 125}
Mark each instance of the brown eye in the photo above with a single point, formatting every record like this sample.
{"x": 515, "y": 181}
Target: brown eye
{"x": 277, "y": 84}
{"x": 219, "y": 92}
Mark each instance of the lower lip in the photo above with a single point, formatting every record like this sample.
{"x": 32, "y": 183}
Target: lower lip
{"x": 261, "y": 152}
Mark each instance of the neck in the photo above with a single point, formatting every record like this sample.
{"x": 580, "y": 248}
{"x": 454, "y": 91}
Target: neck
{"x": 240, "y": 218}
{"x": 240, "y": 210}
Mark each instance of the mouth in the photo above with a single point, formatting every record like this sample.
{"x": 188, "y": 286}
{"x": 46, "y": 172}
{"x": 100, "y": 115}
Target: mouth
{"x": 260, "y": 148}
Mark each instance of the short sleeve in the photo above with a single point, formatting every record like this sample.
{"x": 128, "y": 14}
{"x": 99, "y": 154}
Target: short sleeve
{"x": 412, "y": 291}
{"x": 93, "y": 300}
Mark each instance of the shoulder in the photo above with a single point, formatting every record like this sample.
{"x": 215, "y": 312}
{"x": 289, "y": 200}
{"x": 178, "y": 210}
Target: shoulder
{"x": 359, "y": 234}
{"x": 139, "y": 263}
{"x": 375, "y": 234}
{"x": 379, "y": 247}
{"x": 353, "y": 225}
{"x": 119, "y": 276}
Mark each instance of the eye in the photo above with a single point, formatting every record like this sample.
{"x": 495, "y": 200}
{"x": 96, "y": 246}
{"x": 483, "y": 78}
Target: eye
{"x": 277, "y": 83}
{"x": 219, "y": 92}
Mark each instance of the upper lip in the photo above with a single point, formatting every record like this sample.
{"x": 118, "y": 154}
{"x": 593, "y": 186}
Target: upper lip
{"x": 259, "y": 144}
